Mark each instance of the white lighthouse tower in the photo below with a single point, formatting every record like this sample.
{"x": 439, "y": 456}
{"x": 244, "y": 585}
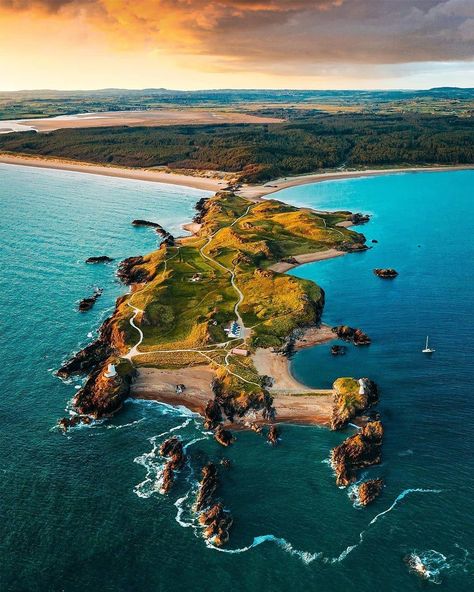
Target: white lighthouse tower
{"x": 110, "y": 372}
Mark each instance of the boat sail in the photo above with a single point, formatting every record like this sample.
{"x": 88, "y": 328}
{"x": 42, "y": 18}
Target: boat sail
{"x": 427, "y": 350}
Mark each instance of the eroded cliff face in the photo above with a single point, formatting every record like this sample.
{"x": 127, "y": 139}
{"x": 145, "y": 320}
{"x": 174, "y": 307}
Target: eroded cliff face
{"x": 357, "y": 452}
{"x": 351, "y": 398}
{"x": 102, "y": 396}
{"x": 111, "y": 342}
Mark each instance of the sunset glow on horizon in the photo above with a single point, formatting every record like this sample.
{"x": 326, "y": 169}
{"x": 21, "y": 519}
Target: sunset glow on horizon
{"x": 197, "y": 44}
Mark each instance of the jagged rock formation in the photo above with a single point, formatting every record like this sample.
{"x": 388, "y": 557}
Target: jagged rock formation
{"x": 102, "y": 396}
{"x": 65, "y": 423}
{"x": 173, "y": 450}
{"x": 217, "y": 522}
{"x": 200, "y": 208}
{"x": 352, "y": 397}
{"x": 212, "y": 515}
{"x": 88, "y": 303}
{"x": 338, "y": 350}
{"x": 357, "y": 452}
{"x": 352, "y": 335}
{"x": 386, "y": 273}
{"x": 109, "y": 343}
{"x": 348, "y": 247}
{"x": 224, "y": 437}
{"x": 369, "y": 490}
{"x": 212, "y": 414}
{"x": 207, "y": 487}
{"x": 272, "y": 436}
{"x": 130, "y": 272}
{"x": 359, "y": 218}
{"x": 167, "y": 478}
{"x": 99, "y": 259}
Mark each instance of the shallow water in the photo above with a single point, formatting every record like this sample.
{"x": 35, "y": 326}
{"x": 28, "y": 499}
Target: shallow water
{"x": 83, "y": 511}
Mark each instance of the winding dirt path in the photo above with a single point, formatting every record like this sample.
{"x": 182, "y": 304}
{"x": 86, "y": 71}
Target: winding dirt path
{"x": 134, "y": 352}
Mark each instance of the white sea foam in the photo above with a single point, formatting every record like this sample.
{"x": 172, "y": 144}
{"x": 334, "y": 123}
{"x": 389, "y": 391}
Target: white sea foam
{"x": 399, "y": 498}
{"x": 428, "y": 565}
{"x": 305, "y": 556}
{"x": 154, "y": 463}
{"x": 125, "y": 425}
{"x": 166, "y": 409}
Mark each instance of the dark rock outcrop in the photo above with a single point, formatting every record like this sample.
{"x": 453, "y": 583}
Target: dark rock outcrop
{"x": 357, "y": 452}
{"x": 65, "y": 423}
{"x": 88, "y": 303}
{"x": 207, "y": 487}
{"x": 168, "y": 240}
{"x": 338, "y": 350}
{"x": 93, "y": 355}
{"x": 353, "y": 247}
{"x": 167, "y": 478}
{"x": 172, "y": 449}
{"x": 217, "y": 523}
{"x": 224, "y": 437}
{"x": 102, "y": 396}
{"x": 386, "y": 273}
{"x": 131, "y": 272}
{"x": 99, "y": 259}
{"x": 212, "y": 515}
{"x": 351, "y": 398}
{"x": 212, "y": 414}
{"x": 369, "y": 490}
{"x": 352, "y": 335}
{"x": 359, "y": 218}
{"x": 272, "y": 436}
{"x": 201, "y": 207}
{"x": 290, "y": 260}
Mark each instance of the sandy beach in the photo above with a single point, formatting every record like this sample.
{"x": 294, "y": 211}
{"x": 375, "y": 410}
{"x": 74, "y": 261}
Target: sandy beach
{"x": 206, "y": 180}
{"x": 160, "y": 385}
{"x": 140, "y": 118}
{"x": 295, "y": 403}
{"x": 255, "y": 192}
{"x": 283, "y": 266}
{"x": 209, "y": 183}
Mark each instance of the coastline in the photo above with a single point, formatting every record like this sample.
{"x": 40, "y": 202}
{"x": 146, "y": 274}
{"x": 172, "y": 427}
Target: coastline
{"x": 213, "y": 180}
{"x": 294, "y": 402}
{"x": 256, "y": 192}
{"x": 154, "y": 175}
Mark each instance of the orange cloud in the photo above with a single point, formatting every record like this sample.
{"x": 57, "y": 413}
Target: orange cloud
{"x": 291, "y": 36}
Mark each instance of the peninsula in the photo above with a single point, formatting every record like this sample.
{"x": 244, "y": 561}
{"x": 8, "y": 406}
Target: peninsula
{"x": 210, "y": 308}
{"x": 210, "y": 320}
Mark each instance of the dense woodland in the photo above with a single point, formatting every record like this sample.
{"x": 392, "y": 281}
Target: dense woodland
{"x": 263, "y": 152}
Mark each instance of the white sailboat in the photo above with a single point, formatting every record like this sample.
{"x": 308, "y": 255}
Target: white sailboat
{"x": 427, "y": 350}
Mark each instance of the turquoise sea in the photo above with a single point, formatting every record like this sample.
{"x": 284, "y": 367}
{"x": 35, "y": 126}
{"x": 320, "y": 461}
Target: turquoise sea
{"x": 82, "y": 511}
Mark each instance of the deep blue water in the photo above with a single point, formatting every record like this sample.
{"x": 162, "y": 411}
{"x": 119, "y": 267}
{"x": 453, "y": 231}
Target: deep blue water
{"x": 82, "y": 512}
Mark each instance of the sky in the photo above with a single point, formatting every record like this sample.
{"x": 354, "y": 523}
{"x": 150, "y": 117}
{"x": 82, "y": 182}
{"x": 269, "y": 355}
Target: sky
{"x": 198, "y": 44}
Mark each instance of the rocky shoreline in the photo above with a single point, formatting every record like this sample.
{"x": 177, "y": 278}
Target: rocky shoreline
{"x": 105, "y": 391}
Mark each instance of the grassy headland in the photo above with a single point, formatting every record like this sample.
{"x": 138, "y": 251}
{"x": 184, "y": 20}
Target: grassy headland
{"x": 197, "y": 286}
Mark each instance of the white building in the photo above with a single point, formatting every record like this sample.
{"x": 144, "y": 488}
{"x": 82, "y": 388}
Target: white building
{"x": 110, "y": 372}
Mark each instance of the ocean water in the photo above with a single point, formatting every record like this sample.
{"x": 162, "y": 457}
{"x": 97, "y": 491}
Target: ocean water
{"x": 83, "y": 511}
